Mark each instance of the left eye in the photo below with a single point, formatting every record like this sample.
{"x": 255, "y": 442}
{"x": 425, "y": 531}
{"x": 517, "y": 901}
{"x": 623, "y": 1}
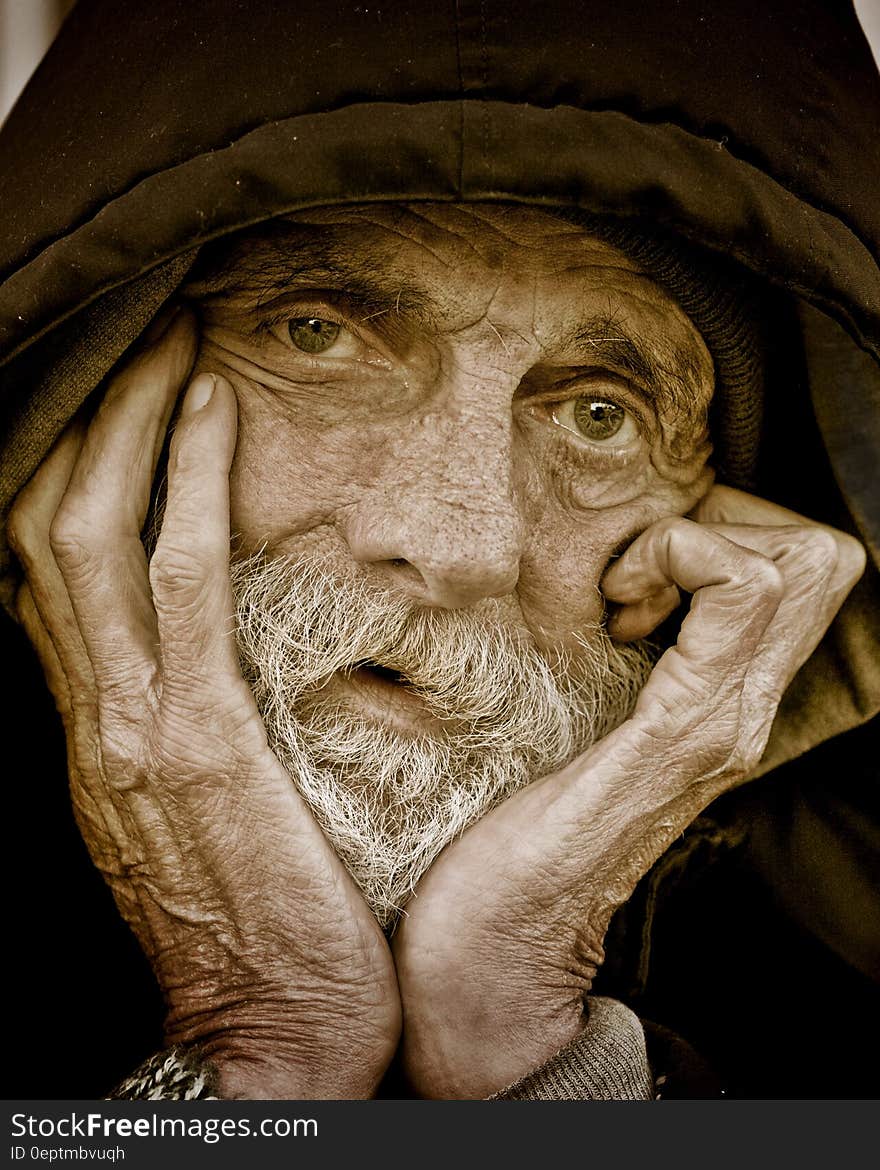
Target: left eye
{"x": 601, "y": 420}
{"x": 313, "y": 334}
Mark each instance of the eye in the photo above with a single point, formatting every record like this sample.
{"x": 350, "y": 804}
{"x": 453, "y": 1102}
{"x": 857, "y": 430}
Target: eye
{"x": 313, "y": 334}
{"x": 315, "y": 344}
{"x": 597, "y": 419}
{"x": 601, "y": 420}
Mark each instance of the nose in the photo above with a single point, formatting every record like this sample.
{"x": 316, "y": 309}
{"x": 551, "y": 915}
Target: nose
{"x": 450, "y": 531}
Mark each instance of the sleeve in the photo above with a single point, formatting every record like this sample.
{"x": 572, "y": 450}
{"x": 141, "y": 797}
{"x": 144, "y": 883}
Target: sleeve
{"x": 607, "y": 1061}
{"x": 175, "y": 1074}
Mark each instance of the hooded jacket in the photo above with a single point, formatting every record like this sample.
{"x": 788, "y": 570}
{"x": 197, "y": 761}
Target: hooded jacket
{"x": 746, "y": 128}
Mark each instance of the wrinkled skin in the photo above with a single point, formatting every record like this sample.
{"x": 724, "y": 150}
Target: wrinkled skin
{"x": 433, "y": 448}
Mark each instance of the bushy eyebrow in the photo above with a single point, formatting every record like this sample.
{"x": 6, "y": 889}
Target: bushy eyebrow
{"x": 605, "y": 338}
{"x": 281, "y": 258}
{"x": 672, "y": 380}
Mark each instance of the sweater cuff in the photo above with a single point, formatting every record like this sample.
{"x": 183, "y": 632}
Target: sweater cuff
{"x": 175, "y": 1074}
{"x": 607, "y": 1061}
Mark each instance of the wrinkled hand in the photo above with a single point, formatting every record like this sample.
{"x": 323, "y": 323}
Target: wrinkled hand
{"x": 505, "y": 933}
{"x": 265, "y": 952}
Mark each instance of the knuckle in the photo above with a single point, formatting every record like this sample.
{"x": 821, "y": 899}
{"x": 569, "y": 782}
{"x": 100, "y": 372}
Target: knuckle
{"x": 823, "y": 549}
{"x": 671, "y": 527}
{"x": 172, "y": 569}
{"x": 766, "y": 578}
{"x": 70, "y": 539}
{"x": 175, "y": 571}
{"x": 851, "y": 558}
{"x": 119, "y": 764}
{"x": 126, "y": 690}
{"x": 23, "y": 533}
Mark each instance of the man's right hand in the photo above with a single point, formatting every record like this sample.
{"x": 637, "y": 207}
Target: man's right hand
{"x": 267, "y": 956}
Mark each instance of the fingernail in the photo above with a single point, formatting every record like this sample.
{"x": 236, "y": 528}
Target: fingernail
{"x": 199, "y": 393}
{"x": 159, "y": 326}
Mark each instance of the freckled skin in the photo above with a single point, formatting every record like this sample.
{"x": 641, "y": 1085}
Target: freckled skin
{"x": 428, "y": 454}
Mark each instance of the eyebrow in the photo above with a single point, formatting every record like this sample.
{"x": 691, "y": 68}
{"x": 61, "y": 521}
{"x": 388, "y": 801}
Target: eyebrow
{"x": 280, "y": 259}
{"x": 606, "y": 338}
{"x": 673, "y": 382}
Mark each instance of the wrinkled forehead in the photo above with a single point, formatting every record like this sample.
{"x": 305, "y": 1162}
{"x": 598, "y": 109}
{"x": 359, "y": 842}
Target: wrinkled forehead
{"x": 476, "y": 233}
{"x": 455, "y": 237}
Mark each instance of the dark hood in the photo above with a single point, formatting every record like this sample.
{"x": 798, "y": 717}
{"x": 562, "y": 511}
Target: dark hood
{"x": 750, "y": 128}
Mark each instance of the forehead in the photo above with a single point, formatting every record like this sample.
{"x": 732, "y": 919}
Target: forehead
{"x": 470, "y": 235}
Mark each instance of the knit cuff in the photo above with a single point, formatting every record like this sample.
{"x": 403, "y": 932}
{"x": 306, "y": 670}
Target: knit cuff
{"x": 176, "y": 1074}
{"x": 607, "y": 1061}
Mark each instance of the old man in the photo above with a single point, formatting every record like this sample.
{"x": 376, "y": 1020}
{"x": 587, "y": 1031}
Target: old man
{"x": 396, "y": 586}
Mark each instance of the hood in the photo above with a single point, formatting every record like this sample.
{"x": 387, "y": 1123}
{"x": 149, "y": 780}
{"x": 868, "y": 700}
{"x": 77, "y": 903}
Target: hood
{"x": 748, "y": 128}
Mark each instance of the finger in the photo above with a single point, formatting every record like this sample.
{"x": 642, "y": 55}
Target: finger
{"x": 631, "y": 622}
{"x": 95, "y": 535}
{"x": 33, "y": 625}
{"x": 729, "y": 507}
{"x": 189, "y": 570}
{"x": 125, "y": 439}
{"x": 737, "y": 591}
{"x": 811, "y": 554}
{"x": 123, "y": 442}
{"x": 99, "y": 821}
{"x": 47, "y": 607}
{"x": 820, "y": 566}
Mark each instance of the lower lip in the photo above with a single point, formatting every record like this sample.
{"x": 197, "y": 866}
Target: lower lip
{"x": 385, "y": 701}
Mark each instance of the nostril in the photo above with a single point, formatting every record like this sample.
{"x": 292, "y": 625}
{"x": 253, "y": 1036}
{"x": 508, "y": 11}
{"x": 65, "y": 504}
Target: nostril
{"x": 404, "y": 568}
{"x": 403, "y": 574}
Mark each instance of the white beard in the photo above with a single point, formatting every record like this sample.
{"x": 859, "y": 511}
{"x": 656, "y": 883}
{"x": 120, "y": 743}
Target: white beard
{"x": 390, "y": 801}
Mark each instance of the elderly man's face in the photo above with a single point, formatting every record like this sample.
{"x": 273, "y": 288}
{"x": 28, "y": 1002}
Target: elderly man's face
{"x": 446, "y": 404}
{"x": 464, "y": 401}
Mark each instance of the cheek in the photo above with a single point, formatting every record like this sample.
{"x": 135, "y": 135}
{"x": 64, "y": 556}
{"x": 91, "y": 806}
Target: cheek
{"x": 570, "y": 547}
{"x": 578, "y": 510}
{"x": 585, "y": 481}
{"x": 292, "y": 473}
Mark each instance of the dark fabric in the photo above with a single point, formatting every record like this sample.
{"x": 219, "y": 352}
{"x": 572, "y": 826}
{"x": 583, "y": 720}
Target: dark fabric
{"x": 788, "y": 87}
{"x": 680, "y": 1073}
